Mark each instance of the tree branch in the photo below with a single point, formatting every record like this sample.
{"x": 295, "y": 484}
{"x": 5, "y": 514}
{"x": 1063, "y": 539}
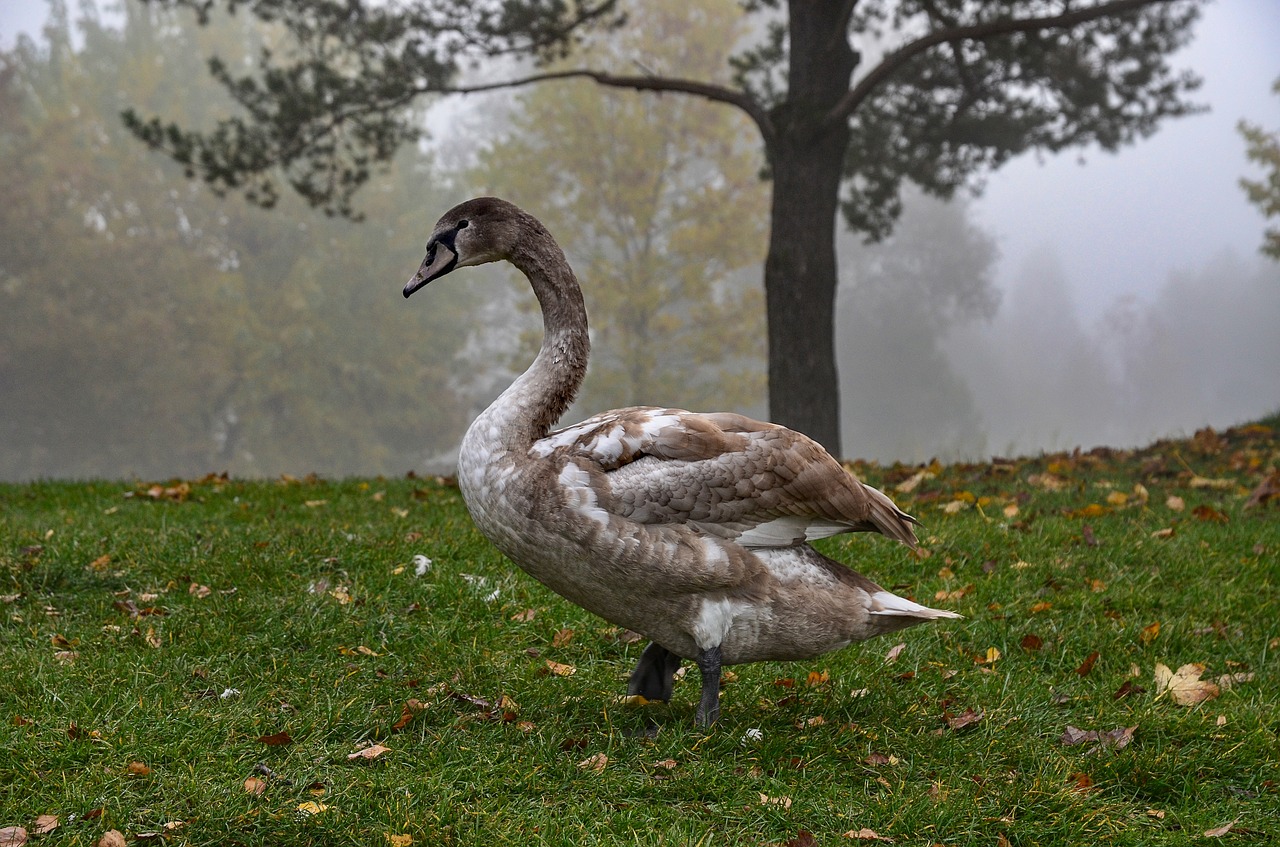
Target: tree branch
{"x": 707, "y": 91}
{"x": 975, "y": 32}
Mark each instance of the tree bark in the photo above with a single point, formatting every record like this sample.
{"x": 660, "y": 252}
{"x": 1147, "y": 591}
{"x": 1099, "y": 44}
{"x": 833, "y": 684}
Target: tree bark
{"x": 806, "y": 157}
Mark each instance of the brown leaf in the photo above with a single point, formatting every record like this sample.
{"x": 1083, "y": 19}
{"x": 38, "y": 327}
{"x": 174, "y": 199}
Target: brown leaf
{"x": 766, "y": 800}
{"x": 373, "y": 751}
{"x": 668, "y": 764}
{"x": 278, "y": 739}
{"x": 13, "y": 836}
{"x": 138, "y": 769}
{"x": 255, "y": 786}
{"x": 110, "y": 838}
{"x": 817, "y": 678}
{"x": 411, "y": 708}
{"x": 399, "y": 840}
{"x": 1205, "y": 512}
{"x": 1129, "y": 687}
{"x": 1031, "y": 642}
{"x": 45, "y": 824}
{"x": 1149, "y": 633}
{"x": 1081, "y": 783}
{"x": 865, "y": 834}
{"x": 199, "y": 591}
{"x": 525, "y": 616}
{"x": 1042, "y": 606}
{"x": 1219, "y": 831}
{"x": 562, "y": 638}
{"x": 1268, "y": 489}
{"x": 595, "y": 762}
{"x": 894, "y": 652}
{"x": 1185, "y": 687}
{"x": 1087, "y": 665}
{"x": 965, "y": 719}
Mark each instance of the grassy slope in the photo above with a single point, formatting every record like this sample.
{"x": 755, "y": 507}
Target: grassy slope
{"x": 304, "y": 574}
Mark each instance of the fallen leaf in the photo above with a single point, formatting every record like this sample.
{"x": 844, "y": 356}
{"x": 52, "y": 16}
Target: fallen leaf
{"x": 1129, "y": 687}
{"x": 865, "y": 834}
{"x": 1031, "y": 642}
{"x": 1087, "y": 665}
{"x": 559, "y": 669}
{"x": 278, "y": 739}
{"x": 991, "y": 657}
{"x": 1227, "y": 680}
{"x": 399, "y": 840}
{"x": 1175, "y": 503}
{"x": 525, "y": 616}
{"x": 1167, "y": 532}
{"x": 199, "y": 591}
{"x": 1158, "y": 814}
{"x": 311, "y": 808}
{"x": 1185, "y": 687}
{"x": 1081, "y": 783}
{"x": 894, "y": 652}
{"x": 595, "y": 762}
{"x": 804, "y": 838}
{"x": 1042, "y": 606}
{"x": 110, "y": 838}
{"x": 255, "y": 786}
{"x": 784, "y": 802}
{"x": 138, "y": 769}
{"x": 1219, "y": 831}
{"x": 818, "y": 678}
{"x": 1205, "y": 512}
{"x": 562, "y": 637}
{"x": 669, "y": 764}
{"x": 45, "y": 824}
{"x": 1204, "y": 482}
{"x": 13, "y": 836}
{"x": 1149, "y": 633}
{"x": 1268, "y": 489}
{"x": 411, "y": 708}
{"x": 373, "y": 751}
{"x": 965, "y": 719}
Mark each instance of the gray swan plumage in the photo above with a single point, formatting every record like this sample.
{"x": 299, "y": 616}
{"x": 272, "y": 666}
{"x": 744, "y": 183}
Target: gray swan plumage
{"x": 690, "y": 529}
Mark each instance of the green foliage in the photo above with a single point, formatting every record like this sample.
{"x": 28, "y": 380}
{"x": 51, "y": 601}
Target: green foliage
{"x": 659, "y": 206}
{"x": 176, "y": 625}
{"x": 151, "y": 328}
{"x": 1263, "y": 149}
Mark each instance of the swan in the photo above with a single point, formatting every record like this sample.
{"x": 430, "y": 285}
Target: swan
{"x": 690, "y": 529}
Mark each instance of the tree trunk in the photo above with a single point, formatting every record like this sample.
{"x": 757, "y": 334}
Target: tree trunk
{"x": 800, "y": 270}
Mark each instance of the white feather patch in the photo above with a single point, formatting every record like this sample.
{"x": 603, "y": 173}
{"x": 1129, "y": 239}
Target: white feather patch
{"x": 580, "y": 496}
{"x": 714, "y": 620}
{"x": 886, "y": 603}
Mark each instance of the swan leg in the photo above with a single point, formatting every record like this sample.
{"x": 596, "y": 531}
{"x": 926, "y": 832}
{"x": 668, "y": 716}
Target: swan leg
{"x": 709, "y": 706}
{"x": 654, "y": 676}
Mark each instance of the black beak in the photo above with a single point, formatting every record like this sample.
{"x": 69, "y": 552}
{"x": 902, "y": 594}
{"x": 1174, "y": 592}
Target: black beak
{"x": 440, "y": 259}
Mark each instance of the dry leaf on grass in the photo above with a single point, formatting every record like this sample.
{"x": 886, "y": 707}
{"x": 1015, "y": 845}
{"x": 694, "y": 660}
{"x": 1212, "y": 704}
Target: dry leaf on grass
{"x": 137, "y": 769}
{"x": 255, "y": 786}
{"x": 1185, "y": 687}
{"x": 373, "y": 751}
{"x": 594, "y": 762}
{"x": 45, "y": 824}
{"x": 311, "y": 808}
{"x": 894, "y": 652}
{"x": 1116, "y": 739}
{"x": 783, "y": 802}
{"x": 1219, "y": 831}
{"x": 865, "y": 834}
{"x": 559, "y": 669}
{"x": 13, "y": 836}
{"x": 398, "y": 840}
{"x": 110, "y": 838}
{"x": 1149, "y": 633}
{"x": 965, "y": 719}
{"x": 1087, "y": 665}
{"x": 278, "y": 739}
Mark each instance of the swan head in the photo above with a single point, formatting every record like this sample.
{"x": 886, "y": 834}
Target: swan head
{"x": 471, "y": 233}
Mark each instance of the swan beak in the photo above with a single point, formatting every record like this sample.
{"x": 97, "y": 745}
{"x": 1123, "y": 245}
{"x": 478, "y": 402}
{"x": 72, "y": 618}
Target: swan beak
{"x": 439, "y": 261}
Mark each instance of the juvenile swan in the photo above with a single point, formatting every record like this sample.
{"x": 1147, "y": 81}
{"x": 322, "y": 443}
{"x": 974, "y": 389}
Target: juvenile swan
{"x": 690, "y": 529}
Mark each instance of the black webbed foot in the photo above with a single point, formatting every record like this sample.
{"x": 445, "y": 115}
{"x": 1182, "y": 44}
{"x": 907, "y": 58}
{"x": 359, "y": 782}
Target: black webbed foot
{"x": 709, "y": 704}
{"x": 654, "y": 676}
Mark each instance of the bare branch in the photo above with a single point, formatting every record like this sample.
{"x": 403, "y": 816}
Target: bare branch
{"x": 708, "y": 91}
{"x": 976, "y": 32}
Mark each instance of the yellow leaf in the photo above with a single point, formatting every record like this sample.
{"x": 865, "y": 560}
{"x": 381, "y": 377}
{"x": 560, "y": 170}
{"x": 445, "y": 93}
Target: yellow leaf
{"x": 1117, "y": 498}
{"x": 399, "y": 840}
{"x": 784, "y": 802}
{"x": 311, "y": 808}
{"x": 560, "y": 669}
{"x": 1149, "y": 633}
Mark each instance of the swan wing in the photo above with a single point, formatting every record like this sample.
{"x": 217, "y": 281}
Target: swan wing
{"x": 758, "y": 484}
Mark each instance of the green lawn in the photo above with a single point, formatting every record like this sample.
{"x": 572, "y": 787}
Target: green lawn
{"x": 151, "y": 638}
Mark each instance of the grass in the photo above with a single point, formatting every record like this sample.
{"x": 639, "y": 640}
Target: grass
{"x": 173, "y": 627}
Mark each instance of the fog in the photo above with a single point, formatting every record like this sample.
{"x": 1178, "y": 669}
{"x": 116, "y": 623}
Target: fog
{"x": 1090, "y": 299}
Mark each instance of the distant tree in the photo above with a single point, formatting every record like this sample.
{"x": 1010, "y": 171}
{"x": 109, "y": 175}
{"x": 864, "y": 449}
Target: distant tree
{"x": 661, "y": 208}
{"x": 150, "y": 328}
{"x": 953, "y": 89}
{"x": 1263, "y": 148}
{"x": 899, "y": 300}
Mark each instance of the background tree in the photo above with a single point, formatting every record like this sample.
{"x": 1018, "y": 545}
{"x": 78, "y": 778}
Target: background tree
{"x": 900, "y": 299}
{"x": 1263, "y": 148}
{"x": 661, "y": 210}
{"x": 953, "y": 89}
{"x": 150, "y": 328}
